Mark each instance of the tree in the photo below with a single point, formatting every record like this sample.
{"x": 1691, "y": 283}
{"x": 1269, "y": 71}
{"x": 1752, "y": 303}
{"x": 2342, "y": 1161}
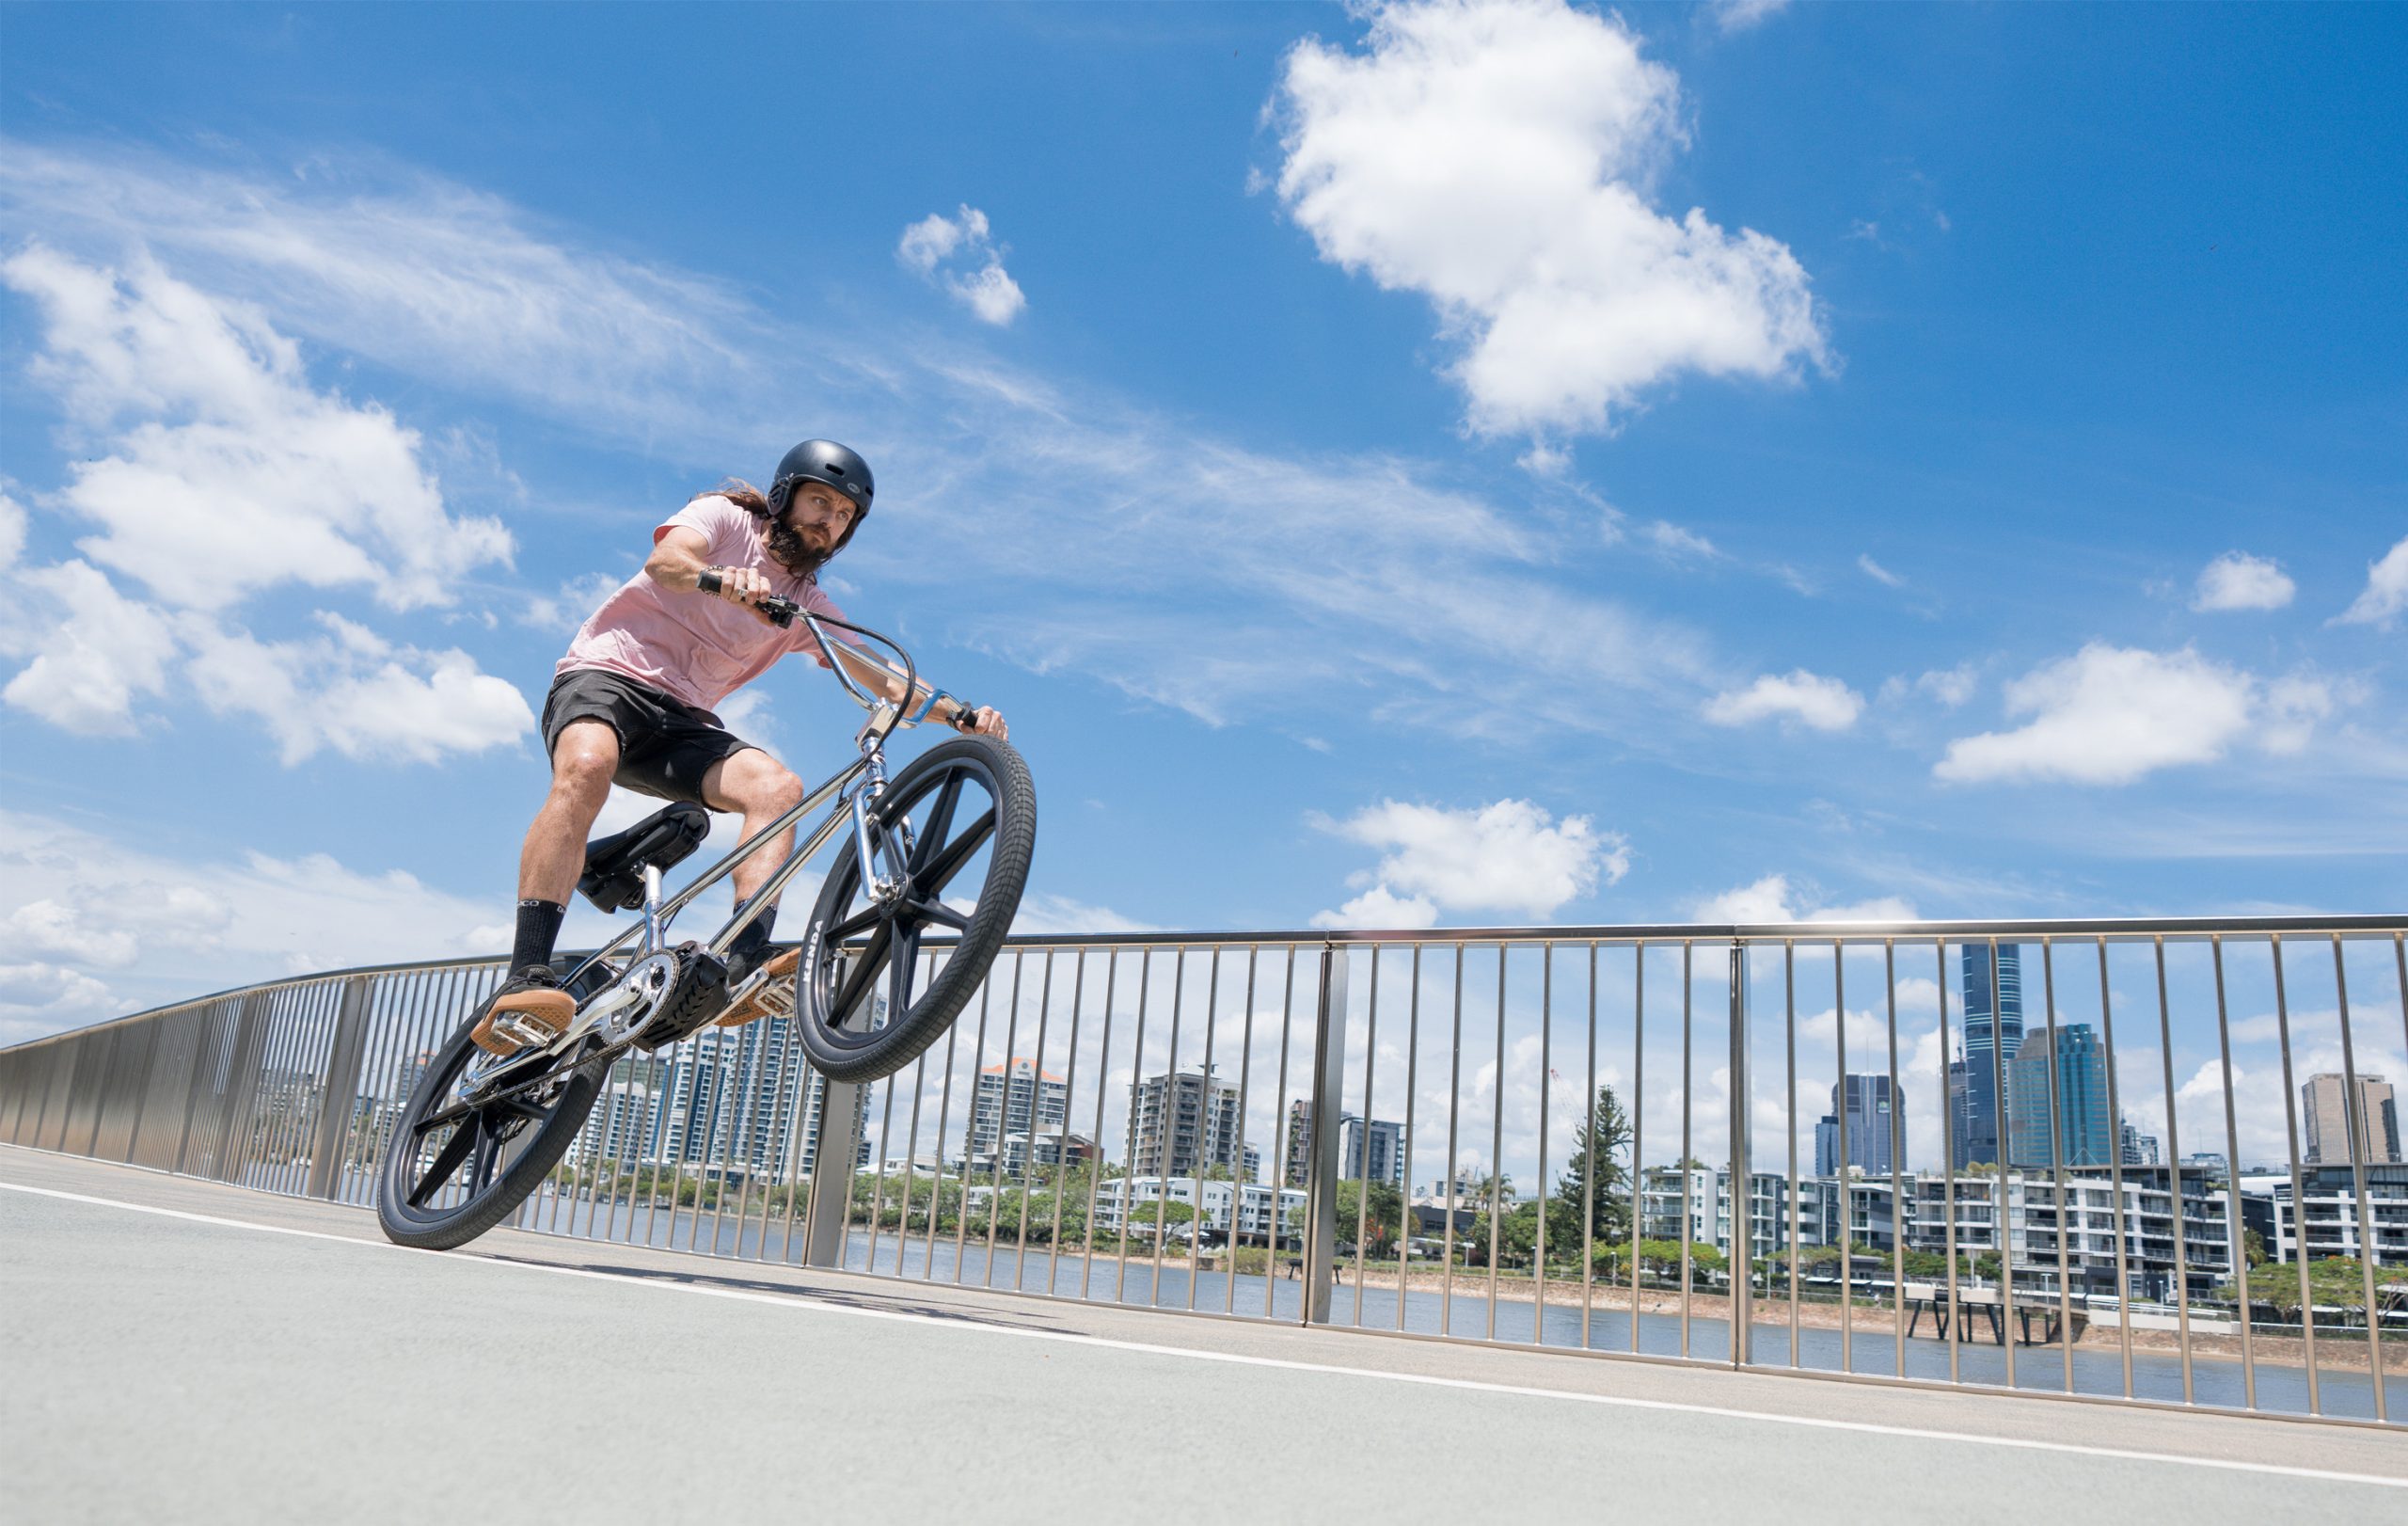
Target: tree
{"x": 1379, "y": 1225}
{"x": 1604, "y": 1134}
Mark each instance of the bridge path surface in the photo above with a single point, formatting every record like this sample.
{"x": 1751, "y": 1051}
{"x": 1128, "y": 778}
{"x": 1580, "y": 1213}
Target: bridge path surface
{"x": 178, "y": 1350}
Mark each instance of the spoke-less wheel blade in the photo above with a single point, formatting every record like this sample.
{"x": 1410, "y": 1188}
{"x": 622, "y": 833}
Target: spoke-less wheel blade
{"x": 447, "y": 1160}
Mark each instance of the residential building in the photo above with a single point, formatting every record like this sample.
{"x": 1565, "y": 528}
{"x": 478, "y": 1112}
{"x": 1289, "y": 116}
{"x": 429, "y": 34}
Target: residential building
{"x": 1376, "y": 1149}
{"x": 2329, "y": 1195}
{"x": 2138, "y": 1149}
{"x": 2324, "y": 1114}
{"x": 2093, "y": 1214}
{"x": 2208, "y": 1163}
{"x": 2071, "y": 1068}
{"x": 629, "y": 1112}
{"x": 1371, "y": 1151}
{"x": 1464, "y": 1188}
{"x": 1869, "y": 1130}
{"x": 1258, "y": 1210}
{"x": 1020, "y": 1154}
{"x": 1184, "y": 1124}
{"x": 1993, "y": 1033}
{"x": 1015, "y": 1098}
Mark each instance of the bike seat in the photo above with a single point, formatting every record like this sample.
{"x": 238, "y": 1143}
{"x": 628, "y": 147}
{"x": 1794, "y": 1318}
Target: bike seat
{"x": 613, "y": 877}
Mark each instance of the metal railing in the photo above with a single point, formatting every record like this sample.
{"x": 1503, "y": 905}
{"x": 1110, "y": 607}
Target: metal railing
{"x": 2178, "y": 1184}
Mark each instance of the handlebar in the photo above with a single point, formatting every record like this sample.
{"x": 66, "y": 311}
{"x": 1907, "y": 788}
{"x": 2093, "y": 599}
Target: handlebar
{"x": 782, "y": 612}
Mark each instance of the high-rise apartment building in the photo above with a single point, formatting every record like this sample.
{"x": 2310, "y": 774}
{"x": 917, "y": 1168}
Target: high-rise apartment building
{"x": 1375, "y": 1149}
{"x": 2138, "y": 1149}
{"x": 2075, "y": 1066}
{"x": 731, "y": 1101}
{"x": 1372, "y": 1151}
{"x": 1015, "y": 1098}
{"x": 2324, "y": 1109}
{"x": 1868, "y": 1117}
{"x": 1993, "y": 1032}
{"x": 1184, "y": 1123}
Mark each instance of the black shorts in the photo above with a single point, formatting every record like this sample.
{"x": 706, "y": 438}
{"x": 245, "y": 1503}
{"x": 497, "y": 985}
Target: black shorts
{"x": 665, "y": 746}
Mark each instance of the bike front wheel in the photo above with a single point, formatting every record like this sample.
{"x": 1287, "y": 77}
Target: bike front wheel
{"x": 951, "y": 836}
{"x": 457, "y": 1166}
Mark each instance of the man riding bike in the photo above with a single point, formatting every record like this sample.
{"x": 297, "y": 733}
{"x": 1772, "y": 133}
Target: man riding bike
{"x": 631, "y": 703}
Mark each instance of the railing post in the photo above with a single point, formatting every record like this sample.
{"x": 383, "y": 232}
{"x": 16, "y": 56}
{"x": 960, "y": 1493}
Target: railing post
{"x": 339, "y": 1095}
{"x": 1321, "y": 1178}
{"x": 1743, "y": 1197}
{"x": 832, "y": 1175}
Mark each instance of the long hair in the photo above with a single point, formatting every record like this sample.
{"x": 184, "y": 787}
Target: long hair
{"x": 740, "y": 493}
{"x": 786, "y": 547}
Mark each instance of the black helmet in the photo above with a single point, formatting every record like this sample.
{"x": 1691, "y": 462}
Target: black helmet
{"x": 824, "y": 461}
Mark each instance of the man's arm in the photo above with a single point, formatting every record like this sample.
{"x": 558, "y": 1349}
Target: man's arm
{"x": 678, "y": 560}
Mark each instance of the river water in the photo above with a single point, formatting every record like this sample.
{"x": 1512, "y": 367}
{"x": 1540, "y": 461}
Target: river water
{"x": 1138, "y": 1281}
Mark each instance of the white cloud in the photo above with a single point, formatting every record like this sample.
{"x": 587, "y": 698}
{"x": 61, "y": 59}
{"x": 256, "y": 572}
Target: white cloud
{"x": 2386, "y": 589}
{"x": 1742, "y": 15}
{"x": 2237, "y": 581}
{"x": 425, "y": 275}
{"x": 1043, "y": 913}
{"x": 960, "y": 253}
{"x": 12, "y": 531}
{"x": 1879, "y": 573}
{"x": 1380, "y": 907}
{"x": 1495, "y": 157}
{"x": 94, "y": 651}
{"x": 1510, "y": 856}
{"x": 224, "y": 472}
{"x": 38, "y": 998}
{"x": 1672, "y": 540}
{"x": 2108, "y": 715}
{"x": 1952, "y": 686}
{"x": 355, "y": 693}
{"x": 1824, "y": 704}
{"x": 167, "y": 929}
{"x": 1772, "y": 898}
{"x": 448, "y": 284}
{"x": 565, "y": 610}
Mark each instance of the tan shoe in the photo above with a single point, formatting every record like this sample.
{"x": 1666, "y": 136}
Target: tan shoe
{"x": 536, "y": 1006}
{"x": 768, "y": 993}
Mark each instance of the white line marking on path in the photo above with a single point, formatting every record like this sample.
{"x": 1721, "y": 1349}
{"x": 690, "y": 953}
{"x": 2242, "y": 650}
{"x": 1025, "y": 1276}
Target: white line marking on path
{"x": 804, "y": 1300}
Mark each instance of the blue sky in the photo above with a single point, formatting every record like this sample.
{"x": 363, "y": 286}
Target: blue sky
{"x": 1369, "y": 489}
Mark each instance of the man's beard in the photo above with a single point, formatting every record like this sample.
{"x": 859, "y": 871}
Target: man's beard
{"x": 791, "y": 550}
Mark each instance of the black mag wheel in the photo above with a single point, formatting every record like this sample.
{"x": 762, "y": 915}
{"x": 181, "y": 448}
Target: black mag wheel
{"x": 952, "y": 835}
{"x": 455, "y": 1167}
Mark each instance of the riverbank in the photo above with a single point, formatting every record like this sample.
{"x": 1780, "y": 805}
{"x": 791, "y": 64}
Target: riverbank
{"x": 2343, "y": 1350}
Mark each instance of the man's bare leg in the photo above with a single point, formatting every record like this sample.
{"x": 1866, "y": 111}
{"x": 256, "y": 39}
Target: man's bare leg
{"x": 758, "y": 786}
{"x": 554, "y": 854}
{"x": 753, "y": 783}
{"x": 549, "y": 863}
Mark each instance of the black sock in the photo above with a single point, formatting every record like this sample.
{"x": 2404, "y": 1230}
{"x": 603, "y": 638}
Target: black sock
{"x": 754, "y": 940}
{"x": 539, "y": 924}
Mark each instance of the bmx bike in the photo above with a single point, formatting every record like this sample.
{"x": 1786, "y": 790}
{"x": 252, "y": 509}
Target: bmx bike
{"x": 912, "y": 913}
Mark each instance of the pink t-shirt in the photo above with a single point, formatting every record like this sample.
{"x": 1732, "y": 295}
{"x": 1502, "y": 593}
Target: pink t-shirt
{"x": 693, "y": 646}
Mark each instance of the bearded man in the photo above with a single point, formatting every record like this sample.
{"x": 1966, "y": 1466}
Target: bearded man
{"x": 632, "y": 703}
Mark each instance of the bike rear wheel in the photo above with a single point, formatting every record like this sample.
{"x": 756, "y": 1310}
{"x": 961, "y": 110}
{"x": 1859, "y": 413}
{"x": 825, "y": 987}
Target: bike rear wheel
{"x": 957, "y": 829}
{"x": 454, "y": 1170}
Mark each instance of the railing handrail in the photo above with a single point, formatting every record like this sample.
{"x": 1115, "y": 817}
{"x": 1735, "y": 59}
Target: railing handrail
{"x": 1904, "y": 930}
{"x": 294, "y": 1086}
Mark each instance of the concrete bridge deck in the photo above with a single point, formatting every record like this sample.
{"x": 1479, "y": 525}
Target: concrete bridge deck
{"x": 173, "y": 1349}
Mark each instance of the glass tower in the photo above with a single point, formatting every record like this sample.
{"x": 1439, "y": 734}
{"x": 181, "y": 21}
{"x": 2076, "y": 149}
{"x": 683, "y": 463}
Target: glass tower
{"x": 1992, "y": 1040}
{"x": 2078, "y": 1068}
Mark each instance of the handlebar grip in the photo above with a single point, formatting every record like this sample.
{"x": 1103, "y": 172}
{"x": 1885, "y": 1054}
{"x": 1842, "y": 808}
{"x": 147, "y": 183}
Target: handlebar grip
{"x": 779, "y": 610}
{"x": 966, "y": 719}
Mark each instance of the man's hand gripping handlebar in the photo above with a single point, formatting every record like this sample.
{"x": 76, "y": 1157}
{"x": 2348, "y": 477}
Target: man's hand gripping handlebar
{"x": 868, "y": 670}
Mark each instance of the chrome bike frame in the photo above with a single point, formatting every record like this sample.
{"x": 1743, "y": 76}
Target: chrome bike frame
{"x": 644, "y": 975}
